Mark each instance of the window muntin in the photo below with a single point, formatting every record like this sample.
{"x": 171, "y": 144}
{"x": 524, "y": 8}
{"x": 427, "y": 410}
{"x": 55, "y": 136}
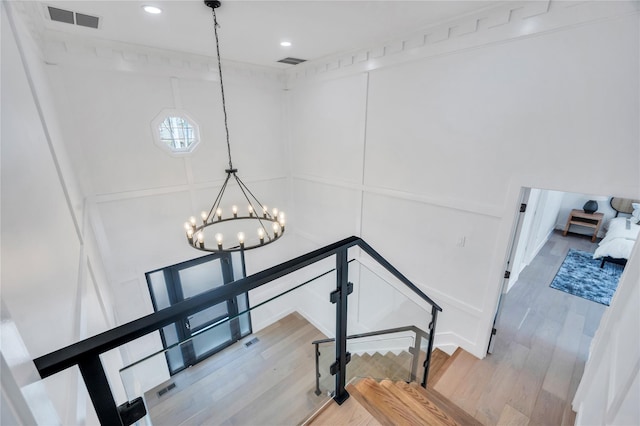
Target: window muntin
{"x": 175, "y": 132}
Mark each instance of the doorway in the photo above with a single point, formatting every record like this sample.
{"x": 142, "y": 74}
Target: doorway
{"x": 537, "y": 250}
{"x": 210, "y": 330}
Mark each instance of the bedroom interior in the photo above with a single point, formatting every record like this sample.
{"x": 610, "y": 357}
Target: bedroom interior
{"x": 414, "y": 134}
{"x": 550, "y": 212}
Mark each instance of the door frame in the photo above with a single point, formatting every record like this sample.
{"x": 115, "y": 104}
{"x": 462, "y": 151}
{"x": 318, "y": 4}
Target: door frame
{"x": 183, "y": 328}
{"x": 511, "y": 251}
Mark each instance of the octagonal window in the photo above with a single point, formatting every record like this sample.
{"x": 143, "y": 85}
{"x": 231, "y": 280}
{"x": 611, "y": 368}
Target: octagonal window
{"x": 175, "y": 132}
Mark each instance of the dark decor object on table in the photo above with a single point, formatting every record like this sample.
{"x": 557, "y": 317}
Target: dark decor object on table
{"x": 590, "y": 206}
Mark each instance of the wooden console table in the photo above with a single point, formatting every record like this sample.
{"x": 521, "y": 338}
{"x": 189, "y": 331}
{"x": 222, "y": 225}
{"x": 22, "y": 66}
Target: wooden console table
{"x": 590, "y": 220}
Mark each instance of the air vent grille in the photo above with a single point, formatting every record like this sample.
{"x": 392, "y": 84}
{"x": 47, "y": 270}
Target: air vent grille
{"x": 292, "y": 61}
{"x": 166, "y": 389}
{"x": 251, "y": 342}
{"x": 60, "y": 15}
{"x": 73, "y": 18}
{"x": 87, "y": 20}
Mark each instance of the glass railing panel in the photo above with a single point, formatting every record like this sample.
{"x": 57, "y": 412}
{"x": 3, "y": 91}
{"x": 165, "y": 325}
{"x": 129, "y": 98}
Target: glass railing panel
{"x": 384, "y": 356}
{"x": 266, "y": 377}
{"x": 326, "y": 357}
{"x": 424, "y": 347}
{"x": 381, "y": 302}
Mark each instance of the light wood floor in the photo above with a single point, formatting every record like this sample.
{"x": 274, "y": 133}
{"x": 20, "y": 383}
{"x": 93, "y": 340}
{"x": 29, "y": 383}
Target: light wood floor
{"x": 269, "y": 382}
{"x": 541, "y": 349}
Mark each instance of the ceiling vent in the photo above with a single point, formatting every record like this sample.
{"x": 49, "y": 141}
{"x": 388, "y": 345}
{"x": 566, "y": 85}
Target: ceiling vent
{"x": 292, "y": 61}
{"x": 73, "y": 18}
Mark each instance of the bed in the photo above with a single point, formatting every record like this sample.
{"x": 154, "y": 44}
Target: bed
{"x": 622, "y": 232}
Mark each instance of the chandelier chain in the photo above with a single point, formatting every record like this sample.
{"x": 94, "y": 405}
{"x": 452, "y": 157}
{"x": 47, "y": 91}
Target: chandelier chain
{"x": 224, "y": 106}
{"x": 218, "y": 221}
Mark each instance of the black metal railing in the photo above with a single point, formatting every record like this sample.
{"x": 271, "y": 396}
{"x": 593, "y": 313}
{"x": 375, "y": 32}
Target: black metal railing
{"x": 86, "y": 353}
{"x": 414, "y": 350}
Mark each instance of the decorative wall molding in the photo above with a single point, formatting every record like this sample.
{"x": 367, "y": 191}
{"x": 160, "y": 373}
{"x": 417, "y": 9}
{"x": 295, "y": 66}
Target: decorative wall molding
{"x": 505, "y": 22}
{"x": 489, "y": 210}
{"x": 64, "y": 49}
{"x": 439, "y": 296}
{"x": 151, "y": 192}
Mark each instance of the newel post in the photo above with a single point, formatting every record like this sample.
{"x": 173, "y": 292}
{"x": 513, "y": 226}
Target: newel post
{"x": 339, "y": 297}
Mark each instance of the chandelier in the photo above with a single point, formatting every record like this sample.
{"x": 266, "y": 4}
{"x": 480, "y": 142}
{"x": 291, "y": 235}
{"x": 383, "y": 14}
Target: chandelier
{"x": 240, "y": 227}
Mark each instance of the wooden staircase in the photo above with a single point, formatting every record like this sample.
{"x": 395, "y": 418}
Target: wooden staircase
{"x": 377, "y": 365}
{"x": 388, "y": 402}
{"x": 400, "y": 403}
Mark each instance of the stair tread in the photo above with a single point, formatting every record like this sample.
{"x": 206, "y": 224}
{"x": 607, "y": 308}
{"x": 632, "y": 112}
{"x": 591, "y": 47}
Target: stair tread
{"x": 437, "y": 375}
{"x": 430, "y": 413}
{"x": 445, "y": 404}
{"x": 394, "y": 403}
{"x": 383, "y": 405}
{"x": 438, "y": 361}
{"x": 455, "y": 372}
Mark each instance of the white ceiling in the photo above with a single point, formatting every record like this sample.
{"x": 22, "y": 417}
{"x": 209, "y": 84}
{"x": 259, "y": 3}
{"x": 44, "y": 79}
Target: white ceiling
{"x": 251, "y": 31}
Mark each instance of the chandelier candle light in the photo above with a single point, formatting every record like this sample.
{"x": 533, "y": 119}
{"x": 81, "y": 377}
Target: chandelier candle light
{"x": 209, "y": 235}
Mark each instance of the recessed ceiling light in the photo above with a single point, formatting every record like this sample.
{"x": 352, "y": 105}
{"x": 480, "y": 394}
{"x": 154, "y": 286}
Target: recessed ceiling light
{"x": 285, "y": 43}
{"x": 152, "y": 9}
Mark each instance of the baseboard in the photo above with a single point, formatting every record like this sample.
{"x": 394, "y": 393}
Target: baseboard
{"x": 324, "y": 330}
{"x": 259, "y": 325}
{"x": 537, "y": 249}
{"x": 448, "y": 348}
{"x": 448, "y": 342}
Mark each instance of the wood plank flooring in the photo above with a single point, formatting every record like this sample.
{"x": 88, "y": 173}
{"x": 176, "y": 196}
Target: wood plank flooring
{"x": 541, "y": 348}
{"x": 351, "y": 412}
{"x": 270, "y": 382}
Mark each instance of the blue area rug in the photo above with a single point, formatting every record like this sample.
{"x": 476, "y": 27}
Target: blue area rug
{"x": 582, "y": 276}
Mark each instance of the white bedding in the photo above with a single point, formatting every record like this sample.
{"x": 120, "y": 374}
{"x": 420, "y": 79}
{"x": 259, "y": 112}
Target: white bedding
{"x": 618, "y": 242}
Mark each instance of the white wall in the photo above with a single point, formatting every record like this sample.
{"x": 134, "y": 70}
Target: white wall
{"x": 137, "y": 196}
{"x": 51, "y": 276}
{"x": 609, "y": 391}
{"x": 546, "y": 214}
{"x": 114, "y": 203}
{"x": 19, "y": 379}
{"x": 425, "y": 158}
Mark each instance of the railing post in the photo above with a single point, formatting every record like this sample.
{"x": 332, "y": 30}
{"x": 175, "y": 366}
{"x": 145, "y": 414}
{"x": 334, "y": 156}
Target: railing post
{"x": 416, "y": 356}
{"x": 340, "y": 298}
{"x": 317, "y": 351}
{"x": 432, "y": 330}
{"x": 99, "y": 391}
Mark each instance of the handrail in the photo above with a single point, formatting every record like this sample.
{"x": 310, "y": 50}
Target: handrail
{"x": 415, "y": 350}
{"x": 86, "y": 353}
{"x": 227, "y": 319}
{"x": 389, "y": 267}
{"x": 71, "y": 355}
{"x": 413, "y": 328}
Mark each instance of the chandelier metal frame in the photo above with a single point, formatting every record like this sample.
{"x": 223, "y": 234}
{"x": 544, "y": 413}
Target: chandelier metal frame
{"x": 271, "y": 224}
